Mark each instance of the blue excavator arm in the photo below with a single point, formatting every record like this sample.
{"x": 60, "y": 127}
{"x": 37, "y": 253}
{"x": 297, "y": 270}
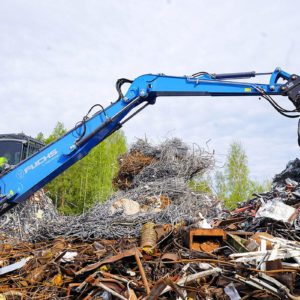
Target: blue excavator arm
{"x": 20, "y": 182}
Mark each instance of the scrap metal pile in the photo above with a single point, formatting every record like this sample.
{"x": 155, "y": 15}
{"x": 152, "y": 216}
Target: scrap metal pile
{"x": 154, "y": 186}
{"x": 156, "y": 238}
{"x": 277, "y": 211}
{"x": 26, "y": 218}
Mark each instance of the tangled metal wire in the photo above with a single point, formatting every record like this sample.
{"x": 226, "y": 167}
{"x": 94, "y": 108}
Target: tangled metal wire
{"x": 26, "y": 218}
{"x": 167, "y": 173}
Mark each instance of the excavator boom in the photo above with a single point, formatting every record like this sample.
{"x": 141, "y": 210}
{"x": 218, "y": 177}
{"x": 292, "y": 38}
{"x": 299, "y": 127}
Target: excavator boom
{"x": 21, "y": 181}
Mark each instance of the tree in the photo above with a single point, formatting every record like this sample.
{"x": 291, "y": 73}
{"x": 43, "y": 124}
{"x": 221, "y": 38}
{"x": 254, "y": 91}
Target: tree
{"x": 260, "y": 187}
{"x": 220, "y": 183}
{"x": 201, "y": 184}
{"x": 234, "y": 185}
{"x": 237, "y": 174}
{"x": 40, "y": 137}
{"x": 58, "y": 131}
{"x": 90, "y": 179}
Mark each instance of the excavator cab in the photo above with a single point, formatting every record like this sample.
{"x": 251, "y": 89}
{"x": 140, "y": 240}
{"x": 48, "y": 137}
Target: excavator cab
{"x": 17, "y": 147}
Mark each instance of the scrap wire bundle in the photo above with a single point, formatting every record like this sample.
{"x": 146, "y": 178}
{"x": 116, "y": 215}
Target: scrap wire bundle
{"x": 157, "y": 184}
{"x": 99, "y": 222}
{"x": 26, "y": 218}
{"x": 172, "y": 159}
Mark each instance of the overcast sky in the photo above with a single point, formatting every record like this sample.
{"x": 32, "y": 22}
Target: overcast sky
{"x": 57, "y": 58}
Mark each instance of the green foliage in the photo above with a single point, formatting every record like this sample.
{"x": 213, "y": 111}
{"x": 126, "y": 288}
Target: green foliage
{"x": 220, "y": 183}
{"x": 90, "y": 179}
{"x": 237, "y": 174}
{"x": 260, "y": 187}
{"x": 201, "y": 184}
{"x": 40, "y": 137}
{"x": 234, "y": 184}
{"x": 58, "y": 131}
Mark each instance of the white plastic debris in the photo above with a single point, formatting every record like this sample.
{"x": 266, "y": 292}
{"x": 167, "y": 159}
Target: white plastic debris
{"x": 231, "y": 291}
{"x": 205, "y": 266}
{"x": 15, "y": 266}
{"x": 202, "y": 223}
{"x": 275, "y": 209}
{"x": 282, "y": 249}
{"x": 130, "y": 273}
{"x": 130, "y": 207}
{"x": 69, "y": 256}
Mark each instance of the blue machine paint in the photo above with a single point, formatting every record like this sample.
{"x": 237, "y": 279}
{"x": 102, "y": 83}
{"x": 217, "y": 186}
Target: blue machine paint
{"x": 36, "y": 171}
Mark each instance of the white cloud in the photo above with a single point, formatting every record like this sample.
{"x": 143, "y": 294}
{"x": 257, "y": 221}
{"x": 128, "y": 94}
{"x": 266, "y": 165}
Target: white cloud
{"x": 58, "y": 58}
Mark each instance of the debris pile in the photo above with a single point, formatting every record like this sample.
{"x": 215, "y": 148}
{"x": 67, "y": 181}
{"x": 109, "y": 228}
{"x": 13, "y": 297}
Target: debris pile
{"x": 275, "y": 212}
{"x": 158, "y": 239}
{"x": 154, "y": 186}
{"x": 26, "y": 218}
{"x": 166, "y": 262}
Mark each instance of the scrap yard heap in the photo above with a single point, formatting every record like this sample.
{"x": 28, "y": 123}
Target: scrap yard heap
{"x": 157, "y": 237}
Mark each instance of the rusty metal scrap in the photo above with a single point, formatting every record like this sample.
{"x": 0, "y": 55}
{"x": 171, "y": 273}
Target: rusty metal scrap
{"x": 206, "y": 240}
{"x": 72, "y": 268}
{"x": 179, "y": 245}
